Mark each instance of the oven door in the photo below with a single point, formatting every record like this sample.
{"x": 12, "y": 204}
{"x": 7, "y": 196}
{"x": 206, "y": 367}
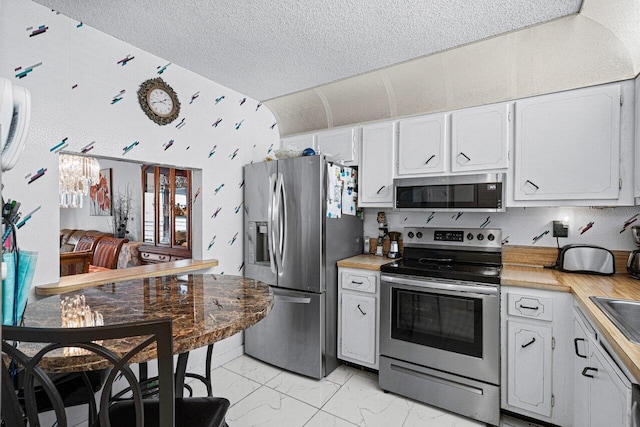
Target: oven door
{"x": 444, "y": 325}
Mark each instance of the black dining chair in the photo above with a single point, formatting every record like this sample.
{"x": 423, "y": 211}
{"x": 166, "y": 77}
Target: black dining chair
{"x": 25, "y": 375}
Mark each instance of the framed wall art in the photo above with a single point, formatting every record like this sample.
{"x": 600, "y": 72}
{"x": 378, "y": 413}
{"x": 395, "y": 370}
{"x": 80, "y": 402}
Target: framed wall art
{"x": 100, "y": 195}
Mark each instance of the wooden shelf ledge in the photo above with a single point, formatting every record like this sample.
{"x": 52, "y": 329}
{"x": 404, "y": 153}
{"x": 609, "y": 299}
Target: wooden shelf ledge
{"x": 81, "y": 281}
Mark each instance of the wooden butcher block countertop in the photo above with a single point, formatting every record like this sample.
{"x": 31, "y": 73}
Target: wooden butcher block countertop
{"x": 366, "y": 262}
{"x": 582, "y": 286}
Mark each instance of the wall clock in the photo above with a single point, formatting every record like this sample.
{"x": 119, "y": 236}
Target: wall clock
{"x": 159, "y": 101}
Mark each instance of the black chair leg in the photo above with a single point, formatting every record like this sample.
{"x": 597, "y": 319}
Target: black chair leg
{"x": 181, "y": 373}
{"x": 143, "y": 371}
{"x": 208, "y": 368}
{"x": 181, "y": 368}
{"x": 93, "y": 410}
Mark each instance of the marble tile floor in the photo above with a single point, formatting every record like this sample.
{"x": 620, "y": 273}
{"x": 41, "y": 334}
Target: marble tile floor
{"x": 263, "y": 395}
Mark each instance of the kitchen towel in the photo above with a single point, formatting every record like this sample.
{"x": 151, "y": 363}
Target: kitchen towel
{"x": 14, "y": 299}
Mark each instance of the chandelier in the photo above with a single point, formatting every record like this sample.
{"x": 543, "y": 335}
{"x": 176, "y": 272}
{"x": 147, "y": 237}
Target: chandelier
{"x": 77, "y": 174}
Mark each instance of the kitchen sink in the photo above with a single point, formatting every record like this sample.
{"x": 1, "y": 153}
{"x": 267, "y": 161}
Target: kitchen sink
{"x": 625, "y": 314}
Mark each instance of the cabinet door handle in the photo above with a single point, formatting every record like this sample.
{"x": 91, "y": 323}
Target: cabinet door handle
{"x": 356, "y": 283}
{"x": 537, "y": 188}
{"x": 529, "y": 308}
{"x": 575, "y": 344}
{"x": 529, "y": 343}
{"x": 587, "y": 369}
{"x": 429, "y": 159}
{"x": 381, "y": 188}
{"x": 465, "y": 156}
{"x": 363, "y": 313}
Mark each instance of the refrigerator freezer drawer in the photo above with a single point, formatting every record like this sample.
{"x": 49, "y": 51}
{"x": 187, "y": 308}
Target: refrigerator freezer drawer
{"x": 292, "y": 335}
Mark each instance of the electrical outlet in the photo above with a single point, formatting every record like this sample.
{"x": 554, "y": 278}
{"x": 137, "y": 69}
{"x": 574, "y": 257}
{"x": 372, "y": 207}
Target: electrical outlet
{"x": 560, "y": 229}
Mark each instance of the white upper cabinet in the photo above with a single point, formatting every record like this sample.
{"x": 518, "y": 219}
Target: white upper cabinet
{"x": 480, "y": 138}
{"x": 300, "y": 142}
{"x": 636, "y": 190}
{"x": 340, "y": 145}
{"x": 376, "y": 165}
{"x": 422, "y": 145}
{"x": 567, "y": 145}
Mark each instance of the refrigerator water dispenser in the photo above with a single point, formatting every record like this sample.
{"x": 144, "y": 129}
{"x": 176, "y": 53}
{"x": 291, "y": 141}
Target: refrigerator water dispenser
{"x": 258, "y": 243}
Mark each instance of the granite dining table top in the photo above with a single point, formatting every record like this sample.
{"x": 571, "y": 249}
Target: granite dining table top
{"x": 204, "y": 309}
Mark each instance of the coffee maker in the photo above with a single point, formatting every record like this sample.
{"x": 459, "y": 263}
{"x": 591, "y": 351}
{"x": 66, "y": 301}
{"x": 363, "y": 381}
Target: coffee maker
{"x": 633, "y": 264}
{"x": 382, "y": 232}
{"x": 394, "y": 248}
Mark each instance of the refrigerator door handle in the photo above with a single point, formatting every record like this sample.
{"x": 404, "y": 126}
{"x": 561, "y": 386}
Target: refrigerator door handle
{"x": 277, "y": 219}
{"x": 270, "y": 231}
{"x": 284, "y": 232}
{"x": 294, "y": 300}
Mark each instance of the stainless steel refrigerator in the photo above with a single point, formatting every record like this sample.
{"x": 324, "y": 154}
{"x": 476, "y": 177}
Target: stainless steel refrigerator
{"x": 290, "y": 244}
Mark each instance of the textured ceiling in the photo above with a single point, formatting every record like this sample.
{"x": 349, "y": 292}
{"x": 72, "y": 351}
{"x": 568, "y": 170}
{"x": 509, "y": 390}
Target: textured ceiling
{"x": 266, "y": 49}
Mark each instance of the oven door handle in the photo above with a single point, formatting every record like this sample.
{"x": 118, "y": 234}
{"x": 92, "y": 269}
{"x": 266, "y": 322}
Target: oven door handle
{"x": 442, "y": 286}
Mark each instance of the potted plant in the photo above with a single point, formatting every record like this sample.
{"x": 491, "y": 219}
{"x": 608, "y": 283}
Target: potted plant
{"x": 122, "y": 207}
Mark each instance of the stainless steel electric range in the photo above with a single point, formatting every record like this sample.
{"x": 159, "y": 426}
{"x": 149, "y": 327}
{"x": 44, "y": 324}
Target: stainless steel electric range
{"x": 440, "y": 320}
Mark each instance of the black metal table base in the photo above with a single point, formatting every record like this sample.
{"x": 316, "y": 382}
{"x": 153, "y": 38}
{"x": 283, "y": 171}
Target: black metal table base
{"x": 181, "y": 374}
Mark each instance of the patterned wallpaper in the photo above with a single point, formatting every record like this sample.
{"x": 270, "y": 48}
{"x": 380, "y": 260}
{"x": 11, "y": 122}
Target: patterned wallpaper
{"x": 606, "y": 227}
{"x": 83, "y": 86}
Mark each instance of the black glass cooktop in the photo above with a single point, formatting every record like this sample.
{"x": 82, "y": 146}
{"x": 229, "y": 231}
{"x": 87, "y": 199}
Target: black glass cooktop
{"x": 482, "y": 267}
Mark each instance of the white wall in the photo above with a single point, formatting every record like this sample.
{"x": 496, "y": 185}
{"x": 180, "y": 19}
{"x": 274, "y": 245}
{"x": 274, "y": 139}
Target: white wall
{"x": 72, "y": 92}
{"x": 123, "y": 174}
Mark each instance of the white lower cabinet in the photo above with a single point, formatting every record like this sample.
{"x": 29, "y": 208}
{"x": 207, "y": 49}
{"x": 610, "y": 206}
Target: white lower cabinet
{"x": 358, "y": 327}
{"x": 609, "y": 395}
{"x": 602, "y": 391}
{"x": 536, "y": 354}
{"x": 358, "y": 316}
{"x": 529, "y": 376}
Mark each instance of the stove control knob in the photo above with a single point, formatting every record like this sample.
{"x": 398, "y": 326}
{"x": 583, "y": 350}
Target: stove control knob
{"x": 491, "y": 237}
{"x": 410, "y": 234}
{"x": 469, "y": 236}
{"x": 419, "y": 235}
{"x": 480, "y": 236}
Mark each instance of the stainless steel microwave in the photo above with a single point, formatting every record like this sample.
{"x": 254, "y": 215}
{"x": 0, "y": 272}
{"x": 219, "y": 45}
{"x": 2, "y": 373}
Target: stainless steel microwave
{"x": 460, "y": 193}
